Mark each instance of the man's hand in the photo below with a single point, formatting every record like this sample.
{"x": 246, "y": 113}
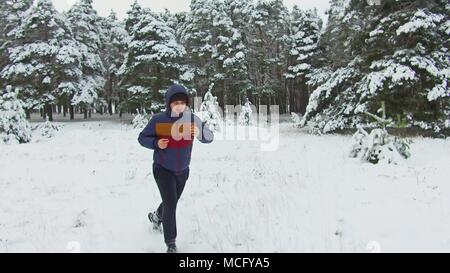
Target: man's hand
{"x": 194, "y": 131}
{"x": 163, "y": 142}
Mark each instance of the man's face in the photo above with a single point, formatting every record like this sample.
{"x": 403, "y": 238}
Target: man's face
{"x": 178, "y": 106}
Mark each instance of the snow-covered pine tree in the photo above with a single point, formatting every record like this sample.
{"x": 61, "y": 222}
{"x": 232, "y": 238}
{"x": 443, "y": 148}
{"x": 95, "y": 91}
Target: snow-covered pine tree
{"x": 266, "y": 58}
{"x": 113, "y": 55}
{"x": 14, "y": 127}
{"x": 229, "y": 53}
{"x": 133, "y": 17}
{"x": 246, "y": 114}
{"x": 86, "y": 25}
{"x": 172, "y": 20}
{"x": 302, "y": 49}
{"x": 209, "y": 111}
{"x": 397, "y": 52}
{"x": 408, "y": 59}
{"x": 45, "y": 60}
{"x": 295, "y": 119}
{"x": 196, "y": 36}
{"x": 152, "y": 62}
{"x": 11, "y": 14}
{"x": 240, "y": 13}
{"x": 46, "y": 129}
{"x": 336, "y": 69}
{"x": 177, "y": 22}
{"x": 340, "y": 30}
{"x": 379, "y": 145}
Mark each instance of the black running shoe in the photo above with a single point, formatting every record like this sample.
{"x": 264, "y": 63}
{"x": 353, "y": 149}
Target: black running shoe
{"x": 172, "y": 249}
{"x": 154, "y": 219}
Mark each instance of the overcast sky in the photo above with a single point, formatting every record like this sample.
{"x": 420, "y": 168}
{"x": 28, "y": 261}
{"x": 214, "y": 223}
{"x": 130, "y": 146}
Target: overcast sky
{"x": 103, "y": 7}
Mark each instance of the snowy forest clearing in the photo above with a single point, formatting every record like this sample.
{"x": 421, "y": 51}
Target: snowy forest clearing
{"x": 91, "y": 186}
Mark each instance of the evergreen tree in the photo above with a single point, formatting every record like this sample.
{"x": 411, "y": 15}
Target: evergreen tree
{"x": 197, "y": 38}
{"x": 336, "y": 67}
{"x": 14, "y": 127}
{"x": 246, "y": 114}
{"x": 46, "y": 128}
{"x": 344, "y": 23}
{"x": 240, "y": 13}
{"x": 11, "y": 14}
{"x": 172, "y": 20}
{"x": 229, "y": 54}
{"x": 86, "y": 25}
{"x": 113, "y": 55}
{"x": 267, "y": 60}
{"x": 408, "y": 61}
{"x": 178, "y": 22}
{"x": 399, "y": 54}
{"x": 45, "y": 61}
{"x": 379, "y": 146}
{"x": 209, "y": 111}
{"x": 304, "y": 33}
{"x": 152, "y": 62}
{"x": 133, "y": 17}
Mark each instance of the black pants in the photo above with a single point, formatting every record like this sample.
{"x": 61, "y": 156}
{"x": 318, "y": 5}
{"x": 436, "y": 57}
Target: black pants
{"x": 170, "y": 187}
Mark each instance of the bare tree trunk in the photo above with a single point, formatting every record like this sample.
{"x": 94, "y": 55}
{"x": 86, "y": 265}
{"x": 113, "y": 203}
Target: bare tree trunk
{"x": 48, "y": 111}
{"x": 85, "y": 111}
{"x": 72, "y": 114}
{"x": 287, "y": 98}
{"x": 110, "y": 107}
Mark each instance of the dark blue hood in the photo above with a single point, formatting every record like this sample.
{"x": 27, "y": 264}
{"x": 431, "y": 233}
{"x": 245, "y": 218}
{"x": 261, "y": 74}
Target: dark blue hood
{"x": 172, "y": 90}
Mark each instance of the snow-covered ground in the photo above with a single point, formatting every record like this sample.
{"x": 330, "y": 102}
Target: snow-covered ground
{"x": 91, "y": 186}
